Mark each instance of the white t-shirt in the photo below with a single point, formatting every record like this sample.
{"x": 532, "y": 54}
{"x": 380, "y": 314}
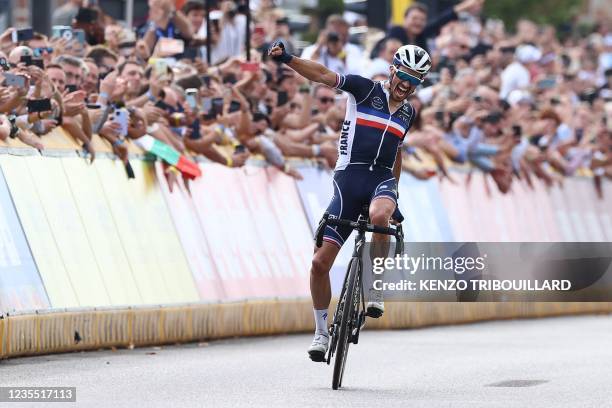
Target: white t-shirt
{"x": 378, "y": 66}
{"x": 231, "y": 40}
{"x": 353, "y": 64}
{"x": 514, "y": 76}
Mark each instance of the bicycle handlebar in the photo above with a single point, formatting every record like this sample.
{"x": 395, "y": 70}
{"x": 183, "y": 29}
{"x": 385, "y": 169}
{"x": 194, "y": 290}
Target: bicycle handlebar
{"x": 360, "y": 226}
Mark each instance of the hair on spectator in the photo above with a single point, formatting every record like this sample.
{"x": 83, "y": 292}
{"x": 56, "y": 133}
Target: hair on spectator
{"x": 39, "y": 36}
{"x": 416, "y": 6}
{"x": 336, "y": 19}
{"x": 56, "y": 66}
{"x": 98, "y": 52}
{"x": 121, "y": 67}
{"x": 319, "y": 86}
{"x": 190, "y": 81}
{"x": 67, "y": 59}
{"x": 193, "y": 5}
{"x": 550, "y": 114}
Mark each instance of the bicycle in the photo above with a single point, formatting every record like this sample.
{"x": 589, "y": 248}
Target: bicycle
{"x": 350, "y": 313}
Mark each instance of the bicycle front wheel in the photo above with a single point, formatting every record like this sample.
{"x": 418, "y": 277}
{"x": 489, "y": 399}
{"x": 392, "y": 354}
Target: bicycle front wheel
{"x": 349, "y": 310}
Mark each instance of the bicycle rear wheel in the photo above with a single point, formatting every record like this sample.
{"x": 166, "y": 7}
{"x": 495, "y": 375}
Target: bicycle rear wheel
{"x": 349, "y": 310}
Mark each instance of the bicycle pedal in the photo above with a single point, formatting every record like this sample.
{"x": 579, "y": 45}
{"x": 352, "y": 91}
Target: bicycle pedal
{"x": 374, "y": 312}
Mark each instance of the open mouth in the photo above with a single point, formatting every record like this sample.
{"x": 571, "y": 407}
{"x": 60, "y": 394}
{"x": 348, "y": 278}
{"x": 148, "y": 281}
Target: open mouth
{"x": 402, "y": 90}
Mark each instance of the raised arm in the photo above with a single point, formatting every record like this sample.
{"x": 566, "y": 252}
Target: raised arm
{"x": 310, "y": 70}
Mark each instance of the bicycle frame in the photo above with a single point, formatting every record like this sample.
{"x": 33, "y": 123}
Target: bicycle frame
{"x": 353, "y": 319}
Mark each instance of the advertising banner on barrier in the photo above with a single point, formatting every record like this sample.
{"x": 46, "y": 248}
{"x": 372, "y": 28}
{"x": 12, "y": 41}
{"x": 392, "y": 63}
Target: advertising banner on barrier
{"x": 255, "y": 229}
{"x": 21, "y": 287}
{"x": 192, "y": 236}
{"x": 316, "y": 191}
{"x": 425, "y": 218}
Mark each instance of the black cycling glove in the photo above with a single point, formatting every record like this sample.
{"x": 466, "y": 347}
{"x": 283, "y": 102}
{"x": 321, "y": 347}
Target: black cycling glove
{"x": 285, "y": 58}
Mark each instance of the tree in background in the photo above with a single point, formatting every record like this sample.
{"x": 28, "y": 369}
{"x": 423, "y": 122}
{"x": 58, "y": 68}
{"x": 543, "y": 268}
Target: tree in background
{"x": 554, "y": 12}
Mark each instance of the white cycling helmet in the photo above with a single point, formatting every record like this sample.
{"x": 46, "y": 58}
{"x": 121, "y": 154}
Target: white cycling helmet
{"x": 413, "y": 57}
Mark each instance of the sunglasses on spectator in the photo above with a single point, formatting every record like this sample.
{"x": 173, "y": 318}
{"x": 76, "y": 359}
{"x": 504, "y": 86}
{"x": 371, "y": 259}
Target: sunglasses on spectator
{"x": 326, "y": 99}
{"x": 40, "y": 50}
{"x": 404, "y": 76}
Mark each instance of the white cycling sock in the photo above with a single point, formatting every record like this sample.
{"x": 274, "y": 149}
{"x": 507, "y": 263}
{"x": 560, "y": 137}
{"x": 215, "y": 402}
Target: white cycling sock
{"x": 321, "y": 321}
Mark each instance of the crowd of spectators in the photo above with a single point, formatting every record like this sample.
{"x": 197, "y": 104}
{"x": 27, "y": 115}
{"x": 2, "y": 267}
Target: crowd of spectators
{"x": 518, "y": 103}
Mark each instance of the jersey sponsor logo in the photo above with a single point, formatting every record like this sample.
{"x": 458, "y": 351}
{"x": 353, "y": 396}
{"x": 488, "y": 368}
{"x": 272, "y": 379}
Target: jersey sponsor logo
{"x": 404, "y": 114}
{"x": 377, "y": 103}
{"x": 403, "y": 117}
{"x": 344, "y": 137}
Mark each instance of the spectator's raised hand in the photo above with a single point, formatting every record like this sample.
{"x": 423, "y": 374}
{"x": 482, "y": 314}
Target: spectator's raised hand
{"x": 108, "y": 84}
{"x": 153, "y": 113}
{"x": 59, "y": 45}
{"x": 74, "y": 103}
{"x": 240, "y": 158}
{"x": 6, "y": 35}
{"x": 37, "y": 75}
{"x": 5, "y": 95}
{"x": 142, "y": 50}
{"x": 48, "y": 125}
{"x": 470, "y": 6}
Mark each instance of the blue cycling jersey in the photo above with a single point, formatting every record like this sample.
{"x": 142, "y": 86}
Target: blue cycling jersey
{"x": 371, "y": 134}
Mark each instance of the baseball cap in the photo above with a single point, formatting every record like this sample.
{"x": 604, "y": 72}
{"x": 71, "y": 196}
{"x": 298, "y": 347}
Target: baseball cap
{"x": 527, "y": 54}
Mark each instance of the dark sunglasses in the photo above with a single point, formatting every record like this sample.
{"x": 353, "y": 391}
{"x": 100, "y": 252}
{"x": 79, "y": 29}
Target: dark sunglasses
{"x": 404, "y": 76}
{"x": 326, "y": 99}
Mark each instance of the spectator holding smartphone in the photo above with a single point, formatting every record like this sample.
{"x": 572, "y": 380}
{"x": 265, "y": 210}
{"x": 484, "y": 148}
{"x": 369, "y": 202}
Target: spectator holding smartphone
{"x": 166, "y": 22}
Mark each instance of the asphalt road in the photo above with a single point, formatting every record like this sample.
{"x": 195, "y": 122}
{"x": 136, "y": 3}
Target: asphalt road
{"x": 557, "y": 362}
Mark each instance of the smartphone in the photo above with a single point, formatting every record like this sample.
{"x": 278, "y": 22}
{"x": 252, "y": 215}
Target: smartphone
{"x": 4, "y": 64}
{"x": 240, "y": 148}
{"x": 93, "y": 106}
{"x": 38, "y": 62}
{"x": 283, "y": 98}
{"x": 195, "y": 130}
{"x": 18, "y": 81}
{"x": 28, "y": 60}
{"x": 546, "y": 83}
{"x": 234, "y": 106}
{"x": 163, "y": 105}
{"x": 61, "y": 31}
{"x": 79, "y": 35}
{"x": 122, "y": 117}
{"x": 217, "y": 104}
{"x": 39, "y": 105}
{"x": 206, "y": 80}
{"x": 249, "y": 66}
{"x": 71, "y": 88}
{"x": 439, "y": 116}
{"x": 23, "y": 34}
{"x": 206, "y": 104}
{"x": 171, "y": 46}
{"x": 190, "y": 97}
{"x": 160, "y": 66}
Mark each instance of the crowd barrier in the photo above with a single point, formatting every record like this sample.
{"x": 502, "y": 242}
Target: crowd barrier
{"x": 87, "y": 256}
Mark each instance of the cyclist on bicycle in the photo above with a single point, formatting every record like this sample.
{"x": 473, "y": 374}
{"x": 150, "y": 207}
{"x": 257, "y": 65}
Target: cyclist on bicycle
{"x": 368, "y": 166}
